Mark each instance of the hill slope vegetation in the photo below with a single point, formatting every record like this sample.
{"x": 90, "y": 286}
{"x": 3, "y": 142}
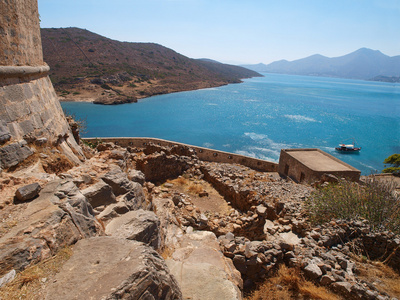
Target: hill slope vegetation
{"x": 88, "y": 66}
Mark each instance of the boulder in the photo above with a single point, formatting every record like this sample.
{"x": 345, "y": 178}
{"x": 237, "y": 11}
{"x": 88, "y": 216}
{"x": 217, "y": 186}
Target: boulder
{"x": 139, "y": 225}
{"x": 28, "y": 192}
{"x": 312, "y": 271}
{"x": 99, "y": 194}
{"x": 118, "y": 180}
{"x": 289, "y": 240}
{"x": 136, "y": 176}
{"x": 135, "y": 198}
{"x": 113, "y": 268}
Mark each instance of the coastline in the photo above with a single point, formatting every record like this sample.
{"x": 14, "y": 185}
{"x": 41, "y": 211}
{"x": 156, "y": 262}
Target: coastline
{"x": 95, "y": 94}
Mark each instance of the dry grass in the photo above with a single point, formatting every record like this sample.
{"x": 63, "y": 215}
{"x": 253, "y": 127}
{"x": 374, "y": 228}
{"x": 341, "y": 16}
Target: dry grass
{"x": 289, "y": 284}
{"x": 188, "y": 185}
{"x": 383, "y": 276}
{"x": 29, "y": 284}
{"x": 195, "y": 188}
{"x": 180, "y": 181}
{"x": 166, "y": 252}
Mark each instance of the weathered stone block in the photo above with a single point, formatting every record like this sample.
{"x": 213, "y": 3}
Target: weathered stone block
{"x": 14, "y": 93}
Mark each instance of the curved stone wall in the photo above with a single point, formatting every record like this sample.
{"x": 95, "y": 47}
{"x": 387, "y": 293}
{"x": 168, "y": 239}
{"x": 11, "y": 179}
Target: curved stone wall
{"x": 19, "y": 33}
{"x": 202, "y": 153}
{"x": 29, "y": 107}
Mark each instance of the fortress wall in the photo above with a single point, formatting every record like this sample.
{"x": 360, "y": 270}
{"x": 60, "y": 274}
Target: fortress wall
{"x": 29, "y": 107}
{"x": 204, "y": 154}
{"x": 19, "y": 33}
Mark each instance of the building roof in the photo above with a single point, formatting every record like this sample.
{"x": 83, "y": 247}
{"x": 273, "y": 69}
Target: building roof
{"x": 318, "y": 160}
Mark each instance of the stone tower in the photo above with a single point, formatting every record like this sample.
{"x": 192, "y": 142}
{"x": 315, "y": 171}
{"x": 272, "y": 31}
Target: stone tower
{"x": 29, "y": 109}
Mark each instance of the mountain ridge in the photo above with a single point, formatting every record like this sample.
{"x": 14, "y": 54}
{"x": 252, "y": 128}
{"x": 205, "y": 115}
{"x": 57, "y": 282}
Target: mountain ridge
{"x": 363, "y": 63}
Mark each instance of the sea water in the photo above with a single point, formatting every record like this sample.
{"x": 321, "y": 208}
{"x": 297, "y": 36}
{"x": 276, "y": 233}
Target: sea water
{"x": 263, "y": 115}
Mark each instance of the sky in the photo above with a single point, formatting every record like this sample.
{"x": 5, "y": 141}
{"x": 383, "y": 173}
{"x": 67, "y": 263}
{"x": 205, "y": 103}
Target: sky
{"x": 237, "y": 31}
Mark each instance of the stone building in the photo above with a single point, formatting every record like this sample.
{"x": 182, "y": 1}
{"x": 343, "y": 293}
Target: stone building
{"x": 308, "y": 165}
{"x": 29, "y": 108}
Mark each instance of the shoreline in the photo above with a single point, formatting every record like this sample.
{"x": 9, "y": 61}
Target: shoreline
{"x": 92, "y": 97}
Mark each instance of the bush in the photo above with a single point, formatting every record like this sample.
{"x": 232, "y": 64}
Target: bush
{"x": 375, "y": 201}
{"x": 393, "y": 160}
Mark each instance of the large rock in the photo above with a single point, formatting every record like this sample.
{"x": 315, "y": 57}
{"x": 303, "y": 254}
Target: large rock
{"x": 113, "y": 268}
{"x": 135, "y": 198}
{"x": 139, "y": 225}
{"x": 201, "y": 269}
{"x": 47, "y": 224}
{"x": 12, "y": 154}
{"x": 118, "y": 180}
{"x": 28, "y": 192}
{"x": 99, "y": 194}
{"x": 137, "y": 176}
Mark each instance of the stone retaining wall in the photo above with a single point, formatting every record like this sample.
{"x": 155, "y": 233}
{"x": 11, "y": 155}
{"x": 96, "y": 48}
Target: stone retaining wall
{"x": 204, "y": 154}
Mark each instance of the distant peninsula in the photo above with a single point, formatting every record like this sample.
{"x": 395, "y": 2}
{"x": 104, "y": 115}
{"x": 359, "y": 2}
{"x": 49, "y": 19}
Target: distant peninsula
{"x": 89, "y": 67}
{"x": 364, "y": 64}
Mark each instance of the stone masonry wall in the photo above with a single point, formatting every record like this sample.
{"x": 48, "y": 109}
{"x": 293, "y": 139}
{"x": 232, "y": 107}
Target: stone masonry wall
{"x": 29, "y": 108}
{"x": 20, "y": 40}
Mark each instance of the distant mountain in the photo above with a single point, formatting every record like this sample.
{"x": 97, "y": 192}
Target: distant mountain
{"x": 361, "y": 64}
{"x": 85, "y": 65}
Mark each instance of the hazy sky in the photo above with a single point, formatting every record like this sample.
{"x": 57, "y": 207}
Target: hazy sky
{"x": 238, "y": 31}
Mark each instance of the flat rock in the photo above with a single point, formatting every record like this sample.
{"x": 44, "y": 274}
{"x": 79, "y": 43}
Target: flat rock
{"x": 201, "y": 269}
{"x": 113, "y": 268}
{"x": 139, "y": 225}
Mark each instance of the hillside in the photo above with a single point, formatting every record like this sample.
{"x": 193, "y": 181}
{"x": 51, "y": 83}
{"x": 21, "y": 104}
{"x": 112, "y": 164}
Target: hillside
{"x": 89, "y": 67}
{"x": 361, "y": 64}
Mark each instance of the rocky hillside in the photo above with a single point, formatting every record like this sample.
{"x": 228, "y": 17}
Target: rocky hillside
{"x": 159, "y": 222}
{"x": 88, "y": 66}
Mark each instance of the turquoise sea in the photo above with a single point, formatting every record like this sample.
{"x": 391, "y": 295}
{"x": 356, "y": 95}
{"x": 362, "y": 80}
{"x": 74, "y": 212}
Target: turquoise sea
{"x": 263, "y": 115}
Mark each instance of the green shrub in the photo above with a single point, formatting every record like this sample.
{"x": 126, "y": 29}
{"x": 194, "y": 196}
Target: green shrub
{"x": 106, "y": 86}
{"x": 394, "y": 161}
{"x": 375, "y": 201}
